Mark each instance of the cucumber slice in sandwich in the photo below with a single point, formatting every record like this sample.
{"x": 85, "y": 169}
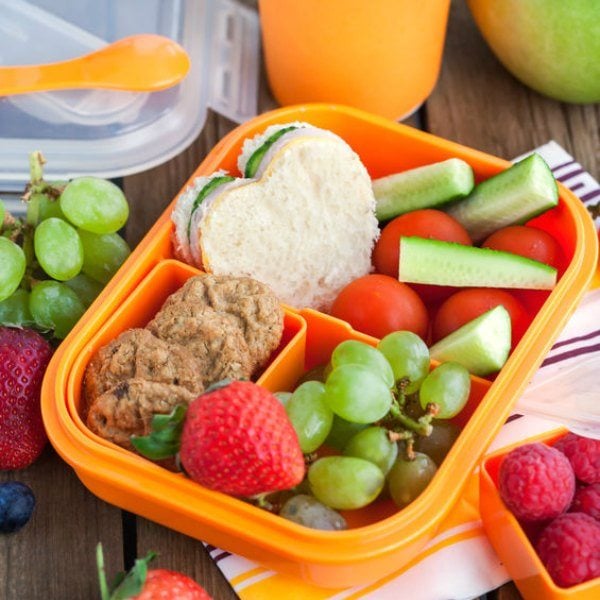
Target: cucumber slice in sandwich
{"x": 446, "y": 263}
{"x": 256, "y": 157}
{"x": 428, "y": 186}
{"x": 512, "y": 197}
{"x": 187, "y": 205}
{"x": 481, "y": 345}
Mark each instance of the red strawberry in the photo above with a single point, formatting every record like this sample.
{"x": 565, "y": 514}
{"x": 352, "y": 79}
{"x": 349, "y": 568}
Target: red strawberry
{"x": 238, "y": 440}
{"x": 142, "y": 584}
{"x": 24, "y": 355}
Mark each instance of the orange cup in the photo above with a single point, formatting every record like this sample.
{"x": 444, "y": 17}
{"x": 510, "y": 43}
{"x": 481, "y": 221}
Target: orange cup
{"x": 383, "y": 56}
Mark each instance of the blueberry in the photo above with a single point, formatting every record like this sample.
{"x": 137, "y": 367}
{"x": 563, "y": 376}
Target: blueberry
{"x": 16, "y": 505}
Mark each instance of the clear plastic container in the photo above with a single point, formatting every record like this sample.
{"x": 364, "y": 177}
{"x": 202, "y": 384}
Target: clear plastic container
{"x": 110, "y": 133}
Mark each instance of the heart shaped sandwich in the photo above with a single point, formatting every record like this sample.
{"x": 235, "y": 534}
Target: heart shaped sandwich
{"x": 301, "y": 220}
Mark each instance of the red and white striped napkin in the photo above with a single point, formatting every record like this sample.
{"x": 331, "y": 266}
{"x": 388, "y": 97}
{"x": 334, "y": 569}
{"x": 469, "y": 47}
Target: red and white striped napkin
{"x": 459, "y": 562}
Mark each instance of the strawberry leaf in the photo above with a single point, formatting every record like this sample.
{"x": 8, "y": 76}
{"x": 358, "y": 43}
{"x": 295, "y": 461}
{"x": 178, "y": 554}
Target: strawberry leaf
{"x": 164, "y": 440}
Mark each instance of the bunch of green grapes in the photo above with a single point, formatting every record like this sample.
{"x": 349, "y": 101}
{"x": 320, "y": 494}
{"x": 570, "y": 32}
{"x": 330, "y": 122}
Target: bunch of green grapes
{"x": 385, "y": 413}
{"x": 56, "y": 259}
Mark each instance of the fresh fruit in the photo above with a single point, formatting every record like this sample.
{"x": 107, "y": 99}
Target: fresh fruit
{"x": 24, "y": 355}
{"x": 357, "y": 394}
{"x": 511, "y": 197}
{"x": 408, "y": 477}
{"x": 422, "y": 187}
{"x": 378, "y": 304}
{"x": 465, "y": 305}
{"x": 94, "y": 204}
{"x": 446, "y": 263}
{"x": 308, "y": 511}
{"x": 373, "y": 444}
{"x": 86, "y": 288}
{"x": 353, "y": 352}
{"x": 14, "y": 310}
{"x": 448, "y": 387}
{"x": 587, "y": 500}
{"x": 58, "y": 249}
{"x": 426, "y": 223}
{"x": 569, "y": 547}
{"x": 16, "y": 506}
{"x": 140, "y": 583}
{"x": 310, "y": 415}
{"x": 55, "y": 307}
{"x": 481, "y": 345}
{"x": 536, "y": 482}
{"x": 345, "y": 482}
{"x": 552, "y": 47}
{"x": 524, "y": 240}
{"x": 239, "y": 440}
{"x": 12, "y": 267}
{"x": 438, "y": 443}
{"x": 583, "y": 454}
{"x": 408, "y": 355}
{"x": 341, "y": 432}
{"x": 103, "y": 254}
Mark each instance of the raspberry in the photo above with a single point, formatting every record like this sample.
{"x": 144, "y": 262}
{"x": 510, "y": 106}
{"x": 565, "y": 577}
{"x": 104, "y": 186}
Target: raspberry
{"x": 587, "y": 500}
{"x": 584, "y": 455}
{"x": 536, "y": 482}
{"x": 570, "y": 549}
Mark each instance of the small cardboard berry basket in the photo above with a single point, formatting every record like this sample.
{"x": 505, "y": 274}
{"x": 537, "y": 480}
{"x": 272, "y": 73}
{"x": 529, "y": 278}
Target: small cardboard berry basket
{"x": 380, "y": 539}
{"x": 513, "y": 543}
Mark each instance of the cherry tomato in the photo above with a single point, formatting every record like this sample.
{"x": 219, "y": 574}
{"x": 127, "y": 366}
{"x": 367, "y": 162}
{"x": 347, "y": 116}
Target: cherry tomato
{"x": 427, "y": 223}
{"x": 378, "y": 304}
{"x": 467, "y": 304}
{"x": 526, "y": 241}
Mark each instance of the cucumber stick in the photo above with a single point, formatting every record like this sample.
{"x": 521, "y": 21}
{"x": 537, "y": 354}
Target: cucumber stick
{"x": 481, "y": 345}
{"x": 422, "y": 187}
{"x": 424, "y": 260}
{"x": 512, "y": 197}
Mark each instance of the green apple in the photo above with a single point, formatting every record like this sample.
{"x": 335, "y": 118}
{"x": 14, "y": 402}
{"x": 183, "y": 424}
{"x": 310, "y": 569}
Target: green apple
{"x": 553, "y": 46}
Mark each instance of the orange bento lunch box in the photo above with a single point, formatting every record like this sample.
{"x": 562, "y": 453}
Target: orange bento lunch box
{"x": 512, "y": 542}
{"x": 380, "y": 538}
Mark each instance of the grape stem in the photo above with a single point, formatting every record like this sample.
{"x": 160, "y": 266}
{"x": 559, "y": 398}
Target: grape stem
{"x": 421, "y": 426}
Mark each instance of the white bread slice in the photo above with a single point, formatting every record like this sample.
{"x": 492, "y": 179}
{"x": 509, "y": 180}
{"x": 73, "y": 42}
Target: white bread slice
{"x": 306, "y": 227}
{"x": 182, "y": 214}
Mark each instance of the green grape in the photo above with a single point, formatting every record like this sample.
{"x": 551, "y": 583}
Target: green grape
{"x": 283, "y": 397}
{"x": 308, "y": 511}
{"x": 345, "y": 482}
{"x": 438, "y": 443}
{"x": 102, "y": 254}
{"x": 2, "y": 213}
{"x": 359, "y": 353}
{"x": 94, "y": 204}
{"x": 14, "y": 310}
{"x": 448, "y": 385}
{"x": 85, "y": 287}
{"x": 357, "y": 394}
{"x": 58, "y": 248}
{"x": 373, "y": 444}
{"x": 55, "y": 306}
{"x": 310, "y": 415}
{"x": 342, "y": 431}
{"x": 408, "y": 478}
{"x": 12, "y": 267}
{"x": 48, "y": 208}
{"x": 409, "y": 356}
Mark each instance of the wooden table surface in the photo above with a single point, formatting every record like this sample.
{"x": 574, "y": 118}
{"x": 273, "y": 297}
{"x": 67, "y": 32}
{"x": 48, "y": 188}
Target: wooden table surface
{"x": 477, "y": 103}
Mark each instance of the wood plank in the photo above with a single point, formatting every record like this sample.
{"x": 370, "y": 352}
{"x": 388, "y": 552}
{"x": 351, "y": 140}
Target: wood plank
{"x": 53, "y": 556}
{"x": 478, "y": 103}
{"x": 184, "y": 554}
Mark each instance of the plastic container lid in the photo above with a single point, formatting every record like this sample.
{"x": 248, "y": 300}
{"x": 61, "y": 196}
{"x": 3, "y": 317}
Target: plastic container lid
{"x": 113, "y": 133}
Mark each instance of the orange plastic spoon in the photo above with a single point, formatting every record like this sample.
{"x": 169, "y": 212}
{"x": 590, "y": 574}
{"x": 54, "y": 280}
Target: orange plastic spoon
{"x": 139, "y": 63}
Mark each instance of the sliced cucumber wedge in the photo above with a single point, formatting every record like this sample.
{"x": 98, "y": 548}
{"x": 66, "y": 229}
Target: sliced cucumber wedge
{"x": 481, "y": 345}
{"x": 423, "y": 260}
{"x": 512, "y": 197}
{"x": 423, "y": 187}
{"x": 257, "y": 156}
